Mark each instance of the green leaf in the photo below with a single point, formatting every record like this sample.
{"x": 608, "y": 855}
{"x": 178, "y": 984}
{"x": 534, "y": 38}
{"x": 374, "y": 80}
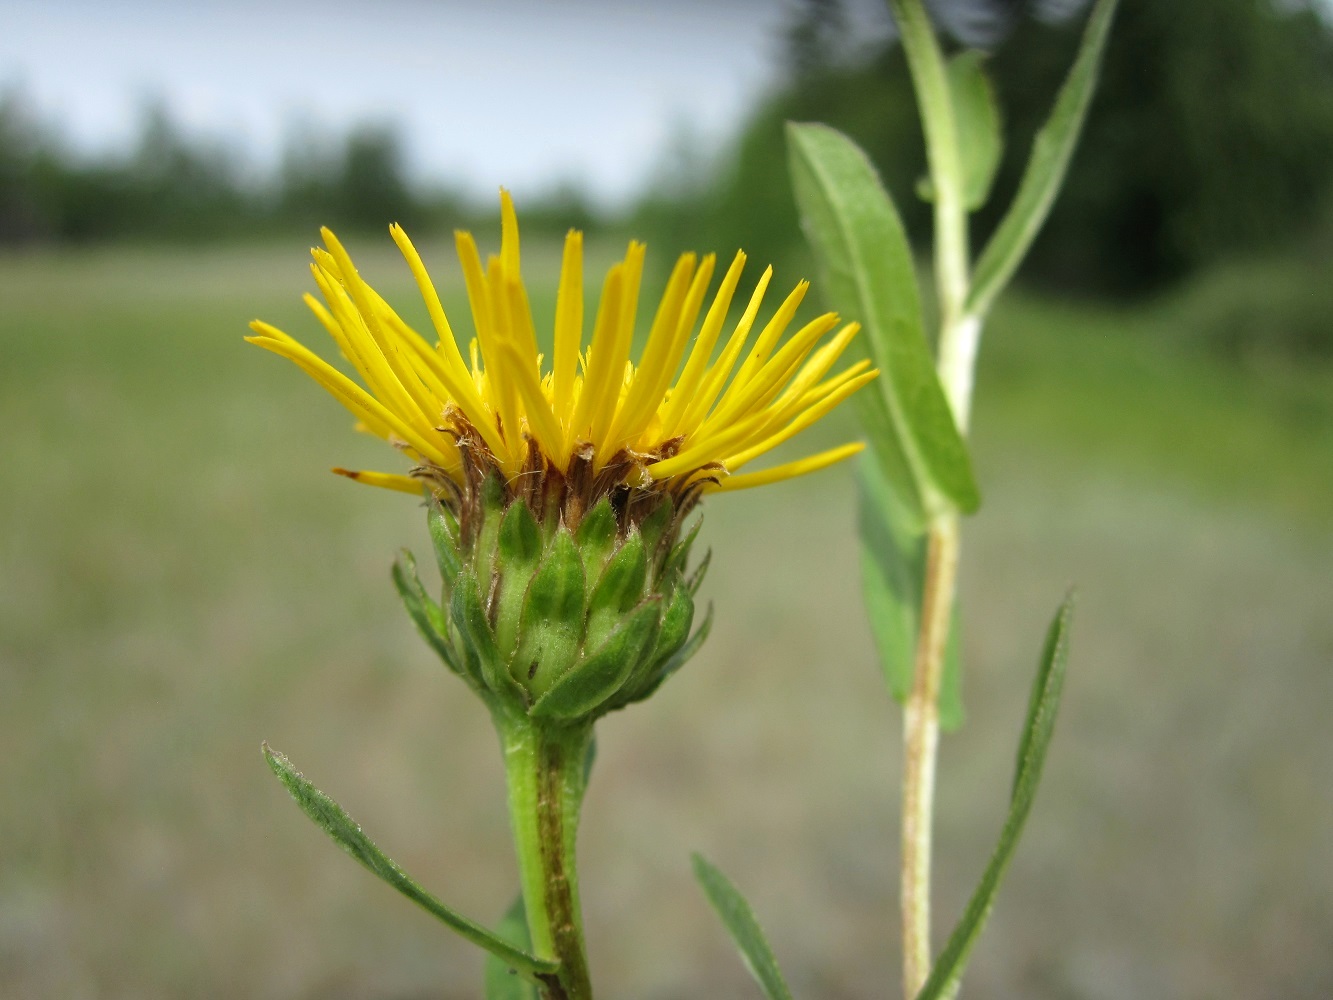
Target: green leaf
{"x": 331, "y": 817}
{"x": 893, "y": 568}
{"x": 1051, "y": 153}
{"x": 743, "y": 928}
{"x": 976, "y": 116}
{"x": 977, "y": 119}
{"x": 869, "y": 275}
{"x": 502, "y": 980}
{"x": 424, "y": 612}
{"x": 1036, "y": 740}
{"x": 592, "y": 682}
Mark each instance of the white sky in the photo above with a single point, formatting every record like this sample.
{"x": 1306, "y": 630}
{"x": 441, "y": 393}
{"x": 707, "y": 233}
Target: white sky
{"x": 520, "y": 92}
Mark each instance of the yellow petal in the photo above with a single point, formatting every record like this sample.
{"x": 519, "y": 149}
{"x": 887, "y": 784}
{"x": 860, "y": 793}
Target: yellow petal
{"x": 657, "y": 364}
{"x": 385, "y": 480}
{"x": 717, "y": 375}
{"x": 606, "y": 362}
{"x": 475, "y": 280}
{"x": 568, "y": 323}
{"x": 430, "y": 409}
{"x": 772, "y": 332}
{"x": 541, "y": 421}
{"x": 800, "y": 467}
{"x": 508, "y": 234}
{"x": 448, "y": 343}
{"x": 359, "y": 402}
{"x": 743, "y": 398}
{"x": 808, "y": 417}
{"x": 683, "y": 392}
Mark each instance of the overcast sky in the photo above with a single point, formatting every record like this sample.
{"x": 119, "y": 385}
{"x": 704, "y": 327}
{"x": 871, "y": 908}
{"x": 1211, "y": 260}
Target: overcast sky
{"x": 520, "y": 92}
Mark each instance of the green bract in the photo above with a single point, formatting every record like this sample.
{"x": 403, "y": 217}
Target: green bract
{"x": 557, "y": 623}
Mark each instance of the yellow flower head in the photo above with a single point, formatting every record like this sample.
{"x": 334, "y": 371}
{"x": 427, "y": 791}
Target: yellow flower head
{"x": 595, "y": 422}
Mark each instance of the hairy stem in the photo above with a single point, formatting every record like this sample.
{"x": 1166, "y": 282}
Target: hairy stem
{"x": 544, "y": 767}
{"x": 921, "y": 734}
{"x": 959, "y": 336}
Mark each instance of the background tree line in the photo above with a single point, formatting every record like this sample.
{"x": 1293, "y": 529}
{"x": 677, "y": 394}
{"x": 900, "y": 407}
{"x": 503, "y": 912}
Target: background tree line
{"x": 173, "y": 186}
{"x": 1210, "y": 141}
{"x": 1211, "y": 135}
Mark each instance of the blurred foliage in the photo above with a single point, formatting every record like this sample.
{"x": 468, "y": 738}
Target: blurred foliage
{"x": 1208, "y": 152}
{"x": 1211, "y": 135}
{"x": 1209, "y": 146}
{"x": 172, "y": 185}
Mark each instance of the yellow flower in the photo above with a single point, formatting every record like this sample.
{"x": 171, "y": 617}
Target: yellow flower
{"x": 594, "y": 417}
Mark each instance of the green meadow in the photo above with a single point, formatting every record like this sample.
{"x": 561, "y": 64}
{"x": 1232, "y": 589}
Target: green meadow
{"x": 182, "y": 579}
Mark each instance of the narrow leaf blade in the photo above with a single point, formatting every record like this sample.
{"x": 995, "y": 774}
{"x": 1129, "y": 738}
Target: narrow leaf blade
{"x": 744, "y": 929}
{"x": 1051, "y": 153}
{"x": 334, "y": 821}
{"x": 502, "y": 980}
{"x": 869, "y": 275}
{"x": 1036, "y": 739}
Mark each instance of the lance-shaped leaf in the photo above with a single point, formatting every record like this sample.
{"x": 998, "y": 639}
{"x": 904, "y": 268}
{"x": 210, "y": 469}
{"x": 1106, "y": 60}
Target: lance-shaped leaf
{"x": 893, "y": 570}
{"x": 869, "y": 276}
{"x": 1036, "y": 740}
{"x": 1051, "y": 152}
{"x": 976, "y": 115}
{"x": 743, "y": 928}
{"x": 502, "y": 979}
{"x": 331, "y": 817}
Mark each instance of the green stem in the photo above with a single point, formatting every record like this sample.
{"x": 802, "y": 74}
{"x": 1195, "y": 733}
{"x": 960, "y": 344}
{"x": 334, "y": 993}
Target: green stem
{"x": 930, "y": 80}
{"x": 544, "y": 768}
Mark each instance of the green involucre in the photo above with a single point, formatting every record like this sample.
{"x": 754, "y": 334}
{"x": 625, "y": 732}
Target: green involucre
{"x": 553, "y": 624}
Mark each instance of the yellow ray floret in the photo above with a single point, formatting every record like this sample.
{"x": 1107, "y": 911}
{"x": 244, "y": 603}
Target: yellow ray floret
{"x": 493, "y": 407}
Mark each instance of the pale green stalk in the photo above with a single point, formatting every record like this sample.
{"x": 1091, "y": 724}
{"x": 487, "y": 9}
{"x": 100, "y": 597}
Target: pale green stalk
{"x": 959, "y": 335}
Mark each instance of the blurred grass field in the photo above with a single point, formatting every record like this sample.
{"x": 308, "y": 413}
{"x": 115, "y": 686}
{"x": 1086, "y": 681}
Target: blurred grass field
{"x": 182, "y": 578}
